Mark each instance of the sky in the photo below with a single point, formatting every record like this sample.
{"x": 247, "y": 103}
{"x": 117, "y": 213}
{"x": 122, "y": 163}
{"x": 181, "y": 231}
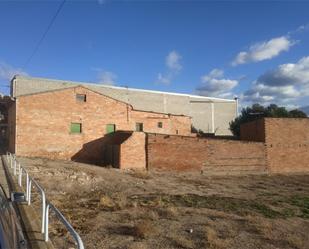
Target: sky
{"x": 257, "y": 51}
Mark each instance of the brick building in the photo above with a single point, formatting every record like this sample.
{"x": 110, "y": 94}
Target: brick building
{"x": 209, "y": 114}
{"x": 75, "y": 123}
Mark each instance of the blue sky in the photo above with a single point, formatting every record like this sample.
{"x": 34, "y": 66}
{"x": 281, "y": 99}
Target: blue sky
{"x": 258, "y": 51}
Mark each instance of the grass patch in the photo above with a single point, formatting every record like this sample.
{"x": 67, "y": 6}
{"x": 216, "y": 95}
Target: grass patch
{"x": 228, "y": 204}
{"x": 303, "y": 203}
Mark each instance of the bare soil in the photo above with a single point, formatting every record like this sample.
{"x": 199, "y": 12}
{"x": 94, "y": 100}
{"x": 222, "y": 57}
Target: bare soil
{"x": 127, "y": 209}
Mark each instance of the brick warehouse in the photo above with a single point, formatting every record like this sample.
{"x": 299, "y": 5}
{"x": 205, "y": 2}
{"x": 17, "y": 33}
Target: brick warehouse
{"x": 74, "y": 123}
{"x": 209, "y": 114}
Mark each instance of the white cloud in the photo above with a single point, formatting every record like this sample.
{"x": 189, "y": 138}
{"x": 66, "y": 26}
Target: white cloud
{"x": 173, "y": 61}
{"x": 106, "y": 77}
{"x": 164, "y": 79}
{"x": 264, "y": 50}
{"x": 7, "y": 72}
{"x": 173, "y": 64}
{"x": 214, "y": 84}
{"x": 284, "y": 85}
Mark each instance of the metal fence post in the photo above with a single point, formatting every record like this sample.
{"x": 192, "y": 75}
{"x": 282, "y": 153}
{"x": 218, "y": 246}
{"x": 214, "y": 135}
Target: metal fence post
{"x": 27, "y": 186}
{"x": 20, "y": 175}
{"x": 15, "y": 167}
{"x": 46, "y": 222}
{"x": 43, "y": 211}
{"x": 29, "y": 192}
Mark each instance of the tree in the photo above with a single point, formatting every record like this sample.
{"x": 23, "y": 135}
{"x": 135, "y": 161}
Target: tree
{"x": 297, "y": 114}
{"x": 257, "y": 111}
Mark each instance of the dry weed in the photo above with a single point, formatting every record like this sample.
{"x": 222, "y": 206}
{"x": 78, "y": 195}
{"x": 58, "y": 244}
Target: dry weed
{"x": 116, "y": 202}
{"x": 262, "y": 225}
{"x": 214, "y": 241}
{"x": 144, "y": 229}
{"x": 106, "y": 202}
{"x": 168, "y": 213}
{"x": 150, "y": 214}
{"x": 137, "y": 245}
{"x": 142, "y": 174}
{"x": 295, "y": 240}
{"x": 182, "y": 242}
{"x": 120, "y": 200}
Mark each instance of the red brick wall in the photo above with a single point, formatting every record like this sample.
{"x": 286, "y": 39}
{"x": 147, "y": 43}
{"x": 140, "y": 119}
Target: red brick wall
{"x": 209, "y": 155}
{"x": 132, "y": 152}
{"x": 287, "y": 142}
{"x": 253, "y": 131}
{"x": 43, "y": 124}
{"x": 166, "y": 152}
{"x": 234, "y": 157}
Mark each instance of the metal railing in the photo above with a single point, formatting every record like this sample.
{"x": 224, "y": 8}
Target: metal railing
{"x": 19, "y": 171}
{"x": 68, "y": 226}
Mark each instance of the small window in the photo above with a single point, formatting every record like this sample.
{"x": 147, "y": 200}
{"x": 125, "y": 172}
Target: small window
{"x": 160, "y": 125}
{"x": 139, "y": 127}
{"x": 76, "y": 128}
{"x": 110, "y": 128}
{"x": 177, "y": 132}
{"x": 80, "y": 97}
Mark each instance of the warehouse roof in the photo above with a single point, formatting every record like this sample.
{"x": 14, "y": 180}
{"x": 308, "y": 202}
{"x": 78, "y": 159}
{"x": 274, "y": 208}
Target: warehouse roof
{"x": 66, "y": 83}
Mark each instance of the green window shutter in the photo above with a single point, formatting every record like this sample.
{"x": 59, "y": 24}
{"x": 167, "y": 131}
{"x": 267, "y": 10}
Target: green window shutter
{"x": 110, "y": 128}
{"x": 76, "y": 128}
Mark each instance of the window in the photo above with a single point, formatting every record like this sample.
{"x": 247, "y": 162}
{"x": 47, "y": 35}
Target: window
{"x": 110, "y": 128}
{"x": 160, "y": 125}
{"x": 139, "y": 127}
{"x": 76, "y": 128}
{"x": 80, "y": 97}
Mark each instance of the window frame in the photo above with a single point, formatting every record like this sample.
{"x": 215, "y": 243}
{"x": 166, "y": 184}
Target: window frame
{"x": 160, "y": 125}
{"x": 139, "y": 127}
{"x": 80, "y": 97}
{"x": 72, "y": 129}
{"x": 109, "y": 125}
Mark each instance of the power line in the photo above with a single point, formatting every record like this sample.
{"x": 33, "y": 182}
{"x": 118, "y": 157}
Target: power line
{"x": 44, "y": 34}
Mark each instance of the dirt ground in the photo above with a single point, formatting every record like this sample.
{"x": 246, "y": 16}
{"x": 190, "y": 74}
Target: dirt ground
{"x": 126, "y": 209}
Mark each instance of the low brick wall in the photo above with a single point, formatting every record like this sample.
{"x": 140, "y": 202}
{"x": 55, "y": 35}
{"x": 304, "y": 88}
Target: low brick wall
{"x": 287, "y": 142}
{"x": 210, "y": 155}
{"x": 285, "y": 150}
{"x": 234, "y": 157}
{"x": 166, "y": 152}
